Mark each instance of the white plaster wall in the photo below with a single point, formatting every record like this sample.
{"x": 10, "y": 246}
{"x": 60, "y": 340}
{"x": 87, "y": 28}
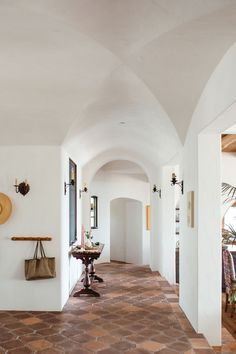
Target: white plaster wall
{"x": 200, "y": 247}
{"x": 189, "y": 237}
{"x": 134, "y": 235}
{"x": 38, "y": 213}
{"x": 168, "y": 224}
{"x": 156, "y": 257}
{"x": 216, "y": 98}
{"x": 209, "y": 240}
{"x": 118, "y": 229}
{"x": 126, "y": 231}
{"x": 106, "y": 187}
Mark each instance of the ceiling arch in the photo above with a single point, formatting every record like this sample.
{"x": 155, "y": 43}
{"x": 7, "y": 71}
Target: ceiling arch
{"x": 93, "y": 166}
{"x": 87, "y": 65}
{"x": 124, "y": 115}
{"x": 123, "y": 167}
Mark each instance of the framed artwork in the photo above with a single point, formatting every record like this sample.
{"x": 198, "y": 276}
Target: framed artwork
{"x": 148, "y": 218}
{"x": 190, "y": 209}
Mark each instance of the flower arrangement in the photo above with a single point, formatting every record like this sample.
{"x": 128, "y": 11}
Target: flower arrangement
{"x": 89, "y": 244}
{"x": 88, "y": 235}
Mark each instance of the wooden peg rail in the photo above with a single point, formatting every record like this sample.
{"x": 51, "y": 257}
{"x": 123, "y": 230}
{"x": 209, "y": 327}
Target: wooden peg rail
{"x": 31, "y": 238}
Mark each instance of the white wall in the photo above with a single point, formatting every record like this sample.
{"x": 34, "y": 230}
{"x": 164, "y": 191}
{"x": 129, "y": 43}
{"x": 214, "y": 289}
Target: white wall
{"x": 135, "y": 253}
{"x": 217, "y": 97}
{"x": 37, "y": 213}
{"x": 209, "y": 236}
{"x": 126, "y": 231}
{"x": 106, "y": 187}
{"x": 168, "y": 224}
{"x": 118, "y": 229}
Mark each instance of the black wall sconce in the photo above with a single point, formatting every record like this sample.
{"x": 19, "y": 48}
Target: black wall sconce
{"x": 84, "y": 190}
{"x": 72, "y": 181}
{"x": 156, "y": 190}
{"x": 174, "y": 181}
{"x": 22, "y": 188}
{"x": 66, "y": 185}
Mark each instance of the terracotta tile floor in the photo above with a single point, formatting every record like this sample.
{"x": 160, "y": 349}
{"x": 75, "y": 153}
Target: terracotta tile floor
{"x": 137, "y": 312}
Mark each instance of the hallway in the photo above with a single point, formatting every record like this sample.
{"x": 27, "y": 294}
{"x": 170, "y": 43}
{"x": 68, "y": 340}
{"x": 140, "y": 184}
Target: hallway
{"x": 137, "y": 312}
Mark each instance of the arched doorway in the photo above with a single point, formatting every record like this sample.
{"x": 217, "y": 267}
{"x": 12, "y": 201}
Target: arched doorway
{"x": 127, "y": 238}
{"x": 125, "y": 181}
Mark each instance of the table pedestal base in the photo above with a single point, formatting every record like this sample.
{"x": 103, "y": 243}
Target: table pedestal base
{"x": 88, "y": 258}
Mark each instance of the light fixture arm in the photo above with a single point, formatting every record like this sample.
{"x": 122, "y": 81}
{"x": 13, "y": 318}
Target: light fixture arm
{"x": 66, "y": 185}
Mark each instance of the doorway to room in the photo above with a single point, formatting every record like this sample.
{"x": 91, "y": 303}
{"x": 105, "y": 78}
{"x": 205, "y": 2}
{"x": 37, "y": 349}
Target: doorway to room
{"x": 126, "y": 231}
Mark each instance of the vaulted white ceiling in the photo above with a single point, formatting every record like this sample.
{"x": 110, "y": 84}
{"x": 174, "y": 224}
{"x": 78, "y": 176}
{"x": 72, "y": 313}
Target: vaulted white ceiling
{"x": 72, "y": 70}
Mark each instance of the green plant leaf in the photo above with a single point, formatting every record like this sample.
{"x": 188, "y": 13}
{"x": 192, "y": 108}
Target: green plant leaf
{"x": 229, "y": 191}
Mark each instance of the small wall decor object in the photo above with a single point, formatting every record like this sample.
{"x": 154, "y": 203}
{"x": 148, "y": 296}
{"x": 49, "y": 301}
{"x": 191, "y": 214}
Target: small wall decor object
{"x": 190, "y": 209}
{"x": 5, "y": 208}
{"x": 84, "y": 190}
{"x": 174, "y": 181}
{"x": 148, "y": 218}
{"x": 156, "y": 190}
{"x": 22, "y": 188}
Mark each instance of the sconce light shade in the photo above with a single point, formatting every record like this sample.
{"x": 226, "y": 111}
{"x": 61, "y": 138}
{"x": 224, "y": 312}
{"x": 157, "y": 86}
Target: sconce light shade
{"x": 174, "y": 181}
{"x": 22, "y": 188}
{"x": 156, "y": 190}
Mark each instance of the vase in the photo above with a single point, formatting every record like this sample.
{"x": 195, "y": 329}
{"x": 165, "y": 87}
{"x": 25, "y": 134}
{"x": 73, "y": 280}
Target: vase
{"x": 88, "y": 243}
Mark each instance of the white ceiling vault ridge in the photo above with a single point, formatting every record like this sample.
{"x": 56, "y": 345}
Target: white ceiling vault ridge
{"x": 108, "y": 74}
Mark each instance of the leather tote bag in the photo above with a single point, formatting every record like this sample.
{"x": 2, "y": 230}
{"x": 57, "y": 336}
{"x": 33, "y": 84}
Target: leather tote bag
{"x": 40, "y": 267}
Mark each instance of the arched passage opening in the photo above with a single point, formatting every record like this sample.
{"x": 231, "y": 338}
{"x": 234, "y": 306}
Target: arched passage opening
{"x": 128, "y": 238}
{"x": 124, "y": 184}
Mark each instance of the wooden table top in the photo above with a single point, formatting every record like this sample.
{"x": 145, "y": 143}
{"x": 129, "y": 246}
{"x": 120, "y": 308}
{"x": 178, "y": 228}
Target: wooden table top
{"x": 79, "y": 251}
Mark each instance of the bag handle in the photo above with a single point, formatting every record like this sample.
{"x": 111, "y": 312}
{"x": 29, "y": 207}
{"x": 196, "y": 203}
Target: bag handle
{"x": 36, "y": 250}
{"x": 43, "y": 255}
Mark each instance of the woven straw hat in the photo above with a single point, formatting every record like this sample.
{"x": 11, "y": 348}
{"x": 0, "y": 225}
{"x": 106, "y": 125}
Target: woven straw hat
{"x": 5, "y": 208}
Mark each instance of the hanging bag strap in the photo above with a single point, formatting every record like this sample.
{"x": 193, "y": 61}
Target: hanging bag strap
{"x": 36, "y": 250}
{"x": 43, "y": 255}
